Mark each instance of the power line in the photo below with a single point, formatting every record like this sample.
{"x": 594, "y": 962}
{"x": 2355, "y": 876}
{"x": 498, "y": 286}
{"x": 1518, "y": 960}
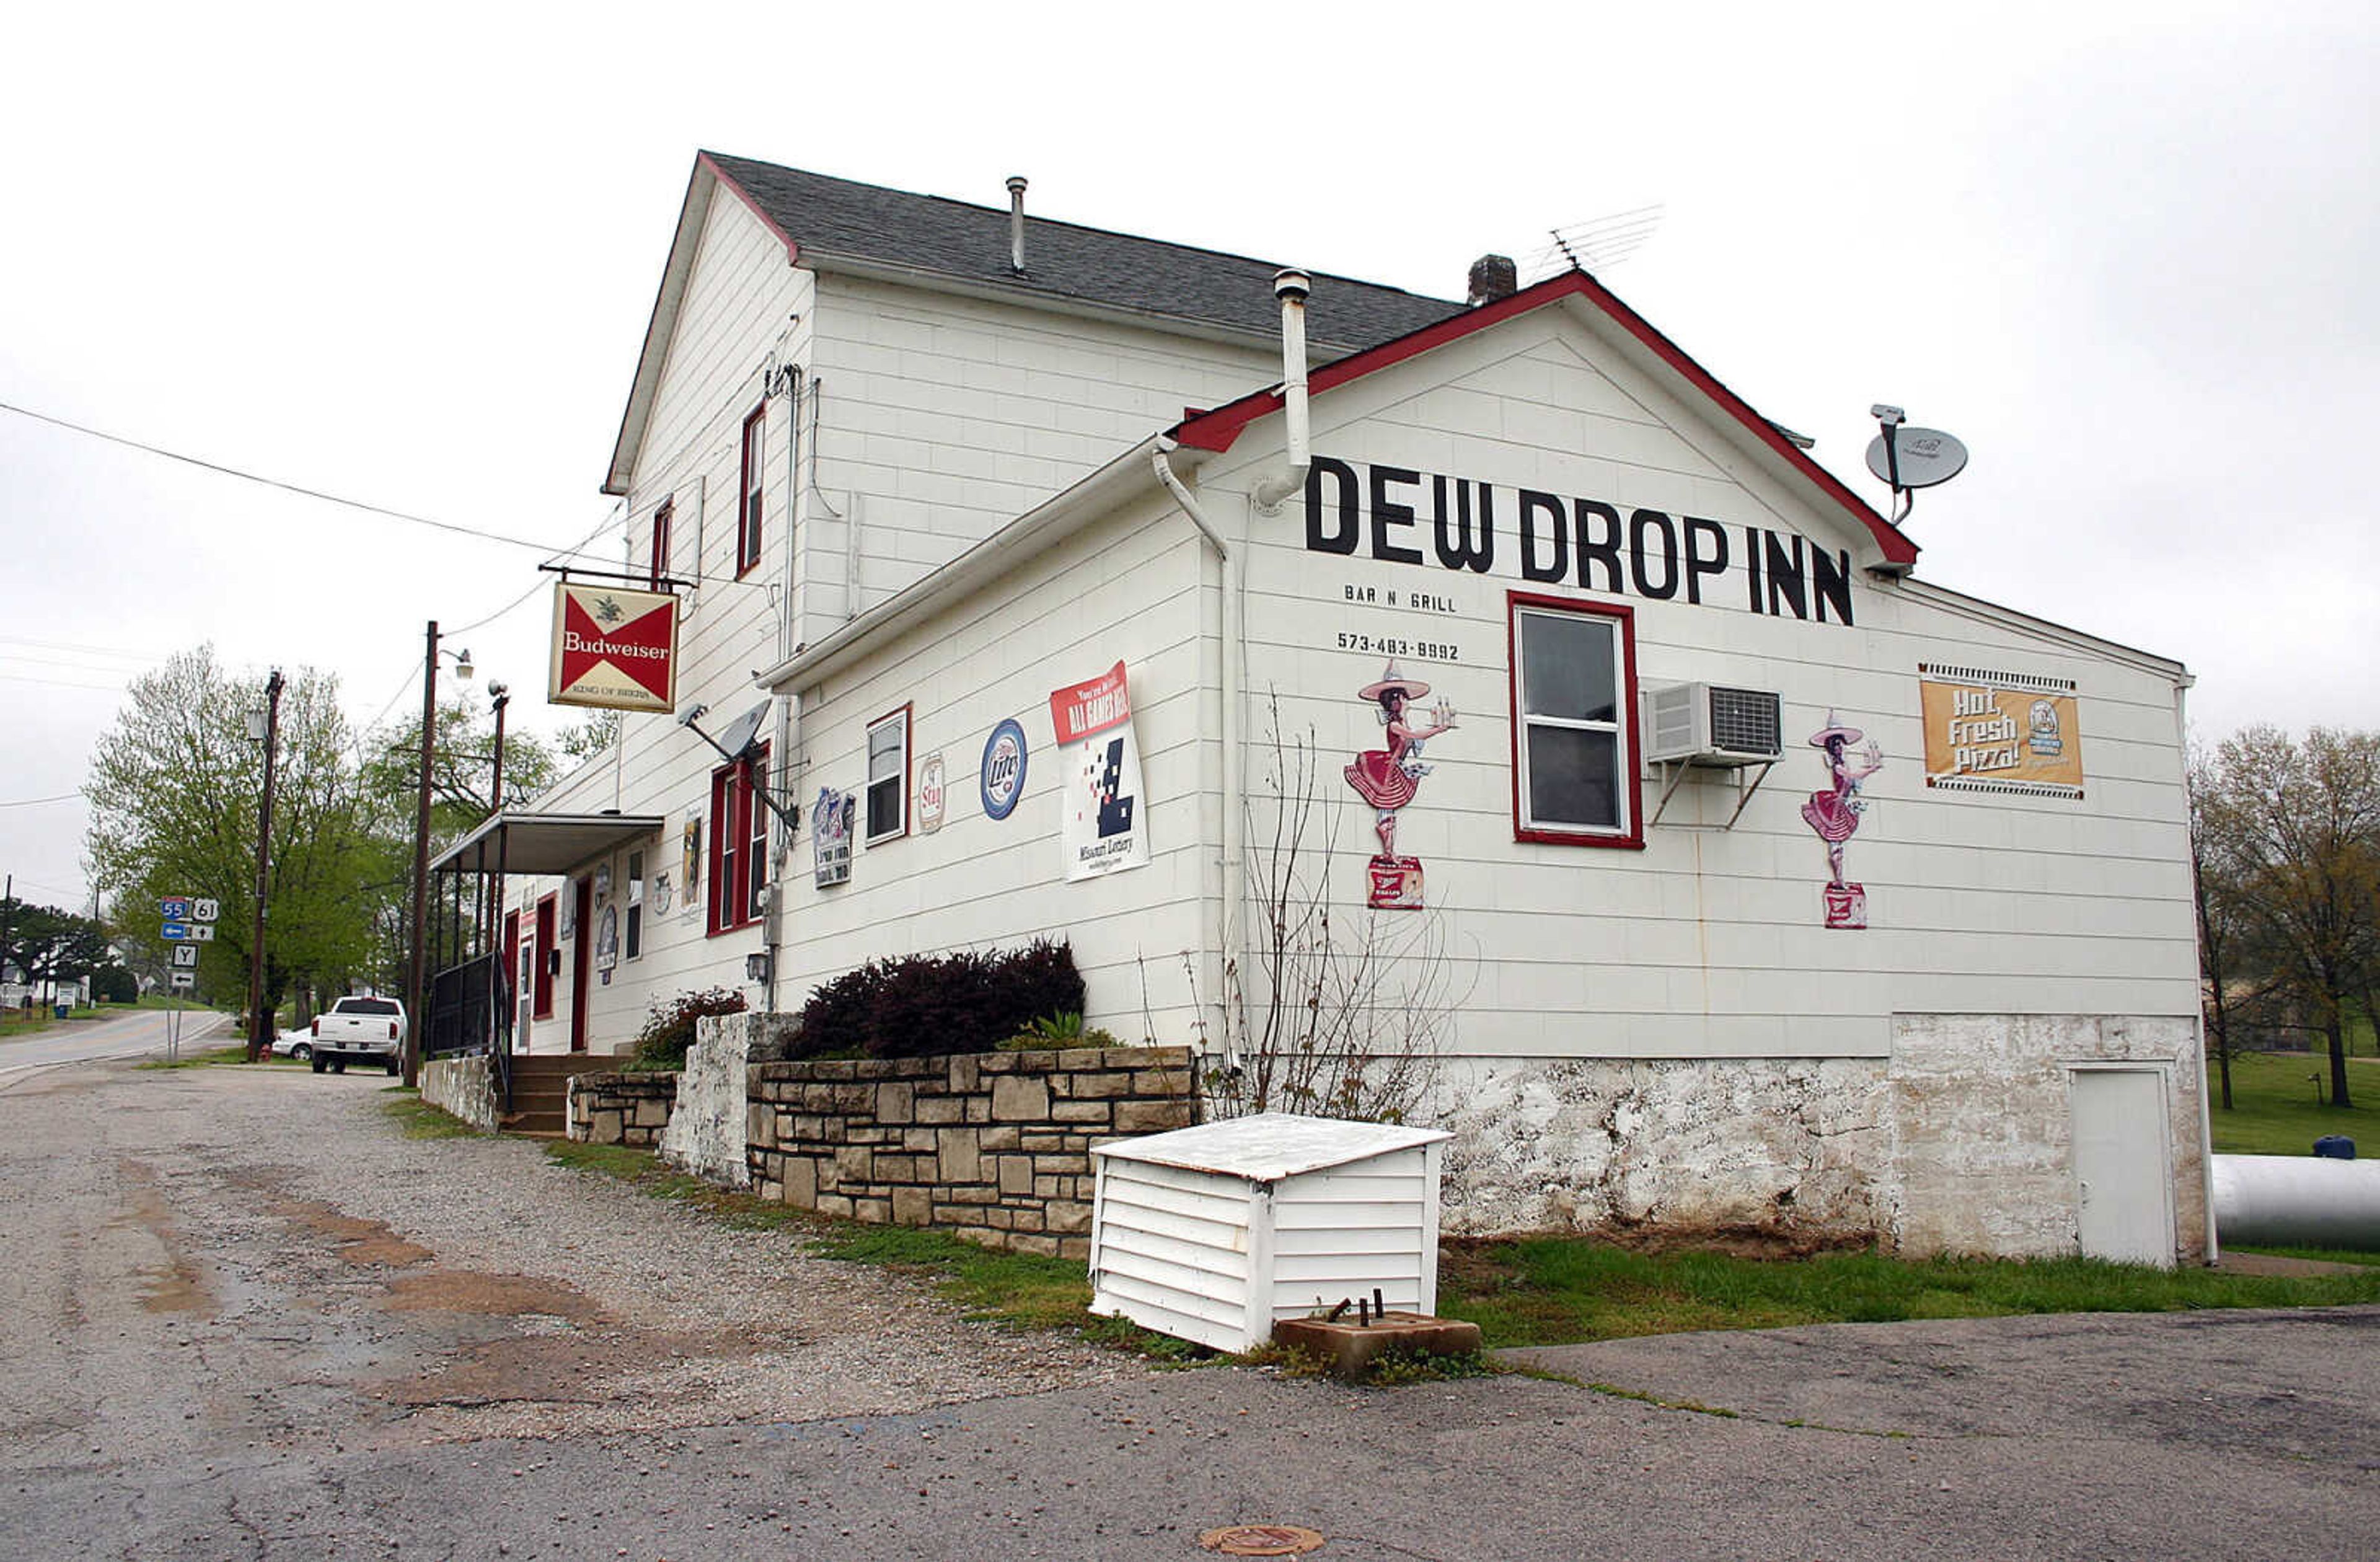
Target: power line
{"x": 30, "y": 802}
{"x": 405, "y": 516}
{"x": 60, "y": 683}
{"x": 117, "y": 652}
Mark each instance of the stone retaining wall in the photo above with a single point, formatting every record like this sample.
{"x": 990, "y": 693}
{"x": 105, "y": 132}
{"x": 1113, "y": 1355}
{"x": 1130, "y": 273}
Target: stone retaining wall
{"x": 629, "y": 1109}
{"x": 463, "y": 1087}
{"x": 993, "y": 1146}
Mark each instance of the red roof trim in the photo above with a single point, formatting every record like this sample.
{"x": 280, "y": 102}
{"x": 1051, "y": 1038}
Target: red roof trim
{"x": 793, "y": 250}
{"x": 1220, "y": 429}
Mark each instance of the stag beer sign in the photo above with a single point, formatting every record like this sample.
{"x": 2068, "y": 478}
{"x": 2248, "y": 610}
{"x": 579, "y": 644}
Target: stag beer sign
{"x": 614, "y": 649}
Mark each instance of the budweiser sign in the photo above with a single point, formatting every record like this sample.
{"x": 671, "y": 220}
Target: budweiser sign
{"x": 613, "y": 648}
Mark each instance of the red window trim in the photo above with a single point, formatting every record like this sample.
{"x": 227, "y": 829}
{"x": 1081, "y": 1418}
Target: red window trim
{"x": 908, "y": 771}
{"x": 733, "y": 804}
{"x": 1633, "y": 838}
{"x": 546, "y": 914}
{"x": 663, "y": 517}
{"x": 751, "y": 494}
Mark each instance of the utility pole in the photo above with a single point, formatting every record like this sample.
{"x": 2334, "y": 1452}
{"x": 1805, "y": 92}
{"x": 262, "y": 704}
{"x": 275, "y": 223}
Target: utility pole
{"x": 7, "y": 905}
{"x": 259, "y": 1005}
{"x": 416, "y": 1005}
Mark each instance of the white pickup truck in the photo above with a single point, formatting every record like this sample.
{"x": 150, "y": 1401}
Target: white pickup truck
{"x": 359, "y": 1031}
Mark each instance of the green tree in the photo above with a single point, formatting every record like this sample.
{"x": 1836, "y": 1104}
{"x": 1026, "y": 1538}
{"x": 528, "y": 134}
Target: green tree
{"x": 462, "y": 772}
{"x": 174, "y": 790}
{"x": 46, "y": 944}
{"x": 2288, "y": 851}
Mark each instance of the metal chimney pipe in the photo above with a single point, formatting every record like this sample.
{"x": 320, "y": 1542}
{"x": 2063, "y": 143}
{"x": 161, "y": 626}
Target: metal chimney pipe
{"x": 1016, "y": 223}
{"x": 1290, "y": 286}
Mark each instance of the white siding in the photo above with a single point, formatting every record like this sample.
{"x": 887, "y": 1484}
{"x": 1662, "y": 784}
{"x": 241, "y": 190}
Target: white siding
{"x": 1346, "y": 1230}
{"x": 1135, "y": 588}
{"x": 1707, "y": 943}
{"x": 943, "y": 418}
{"x": 1171, "y": 1251}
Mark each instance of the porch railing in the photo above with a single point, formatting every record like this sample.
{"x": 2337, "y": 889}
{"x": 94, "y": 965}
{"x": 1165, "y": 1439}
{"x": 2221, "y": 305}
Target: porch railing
{"x": 470, "y": 1010}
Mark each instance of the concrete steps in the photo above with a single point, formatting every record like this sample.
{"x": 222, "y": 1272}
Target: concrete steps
{"x": 541, "y": 1090}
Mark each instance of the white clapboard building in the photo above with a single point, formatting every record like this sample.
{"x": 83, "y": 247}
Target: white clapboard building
{"x": 1732, "y": 877}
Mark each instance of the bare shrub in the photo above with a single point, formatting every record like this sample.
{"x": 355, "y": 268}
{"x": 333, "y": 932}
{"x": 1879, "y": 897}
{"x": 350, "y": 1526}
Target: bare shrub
{"x": 1330, "y": 1011}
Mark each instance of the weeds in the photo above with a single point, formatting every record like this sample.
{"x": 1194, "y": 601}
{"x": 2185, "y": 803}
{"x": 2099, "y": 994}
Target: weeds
{"x": 422, "y": 1121}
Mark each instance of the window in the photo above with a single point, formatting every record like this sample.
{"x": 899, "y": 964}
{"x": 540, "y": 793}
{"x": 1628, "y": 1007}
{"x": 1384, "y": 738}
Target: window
{"x": 634, "y": 945}
{"x": 1574, "y": 721}
{"x": 662, "y": 519}
{"x": 739, "y": 840}
{"x": 888, "y": 776}
{"x": 756, "y": 829}
{"x": 747, "y": 510}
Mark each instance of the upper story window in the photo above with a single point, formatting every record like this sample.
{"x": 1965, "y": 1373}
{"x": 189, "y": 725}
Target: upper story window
{"x": 1574, "y": 721}
{"x": 662, "y": 519}
{"x": 739, "y": 839}
{"x": 888, "y": 776}
{"x": 748, "y": 508}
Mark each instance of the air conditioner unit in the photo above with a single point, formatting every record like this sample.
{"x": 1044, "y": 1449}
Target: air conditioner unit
{"x": 1712, "y": 723}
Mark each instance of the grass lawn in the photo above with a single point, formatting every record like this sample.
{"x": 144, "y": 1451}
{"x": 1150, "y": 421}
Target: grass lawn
{"x": 1555, "y": 1290}
{"x": 2274, "y": 1110}
{"x": 1526, "y": 1291}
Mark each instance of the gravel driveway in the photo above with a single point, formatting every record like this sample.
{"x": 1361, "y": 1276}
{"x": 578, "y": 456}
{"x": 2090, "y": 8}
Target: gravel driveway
{"x": 258, "y": 1256}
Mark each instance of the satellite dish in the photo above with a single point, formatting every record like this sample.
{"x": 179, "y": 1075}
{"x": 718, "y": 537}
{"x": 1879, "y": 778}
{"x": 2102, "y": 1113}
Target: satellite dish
{"x": 739, "y": 738}
{"x": 1916, "y": 458}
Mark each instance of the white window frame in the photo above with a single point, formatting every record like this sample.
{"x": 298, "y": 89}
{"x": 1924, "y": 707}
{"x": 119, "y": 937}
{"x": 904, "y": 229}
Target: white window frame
{"x": 1619, "y": 620}
{"x": 898, "y": 777}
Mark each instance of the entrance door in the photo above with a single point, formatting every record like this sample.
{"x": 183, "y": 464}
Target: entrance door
{"x": 2123, "y": 1186}
{"x": 583, "y": 919}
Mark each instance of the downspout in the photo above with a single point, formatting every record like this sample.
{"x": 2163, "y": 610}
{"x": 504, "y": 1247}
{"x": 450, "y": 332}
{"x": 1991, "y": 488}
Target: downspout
{"x": 780, "y": 751}
{"x": 1228, "y": 632}
{"x": 1290, "y": 287}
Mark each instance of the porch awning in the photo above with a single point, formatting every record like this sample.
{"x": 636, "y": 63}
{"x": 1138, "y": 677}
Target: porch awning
{"x": 542, "y": 842}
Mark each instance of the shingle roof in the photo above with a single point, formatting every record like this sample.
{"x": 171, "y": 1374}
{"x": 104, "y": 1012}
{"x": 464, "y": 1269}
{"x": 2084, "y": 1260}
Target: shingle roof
{"x": 1062, "y": 261}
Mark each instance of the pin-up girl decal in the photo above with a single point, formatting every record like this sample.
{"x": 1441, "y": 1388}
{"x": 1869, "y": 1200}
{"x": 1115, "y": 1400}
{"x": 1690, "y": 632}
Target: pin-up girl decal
{"x": 1387, "y": 778}
{"x": 1835, "y": 814}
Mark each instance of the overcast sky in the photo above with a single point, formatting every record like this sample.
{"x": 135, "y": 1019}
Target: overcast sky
{"x": 2131, "y": 254}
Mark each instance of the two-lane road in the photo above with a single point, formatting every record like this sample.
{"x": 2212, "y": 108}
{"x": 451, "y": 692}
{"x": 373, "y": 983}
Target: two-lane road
{"x": 137, "y": 1034}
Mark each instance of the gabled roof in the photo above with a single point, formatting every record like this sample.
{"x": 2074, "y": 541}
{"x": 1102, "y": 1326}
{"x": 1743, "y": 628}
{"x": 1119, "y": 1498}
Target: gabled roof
{"x": 1647, "y": 347}
{"x": 830, "y": 224}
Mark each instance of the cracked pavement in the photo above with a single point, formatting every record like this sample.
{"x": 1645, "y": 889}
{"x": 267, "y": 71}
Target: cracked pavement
{"x": 243, "y": 1318}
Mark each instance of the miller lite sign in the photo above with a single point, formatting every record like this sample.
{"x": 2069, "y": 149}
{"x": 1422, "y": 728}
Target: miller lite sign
{"x": 613, "y": 648}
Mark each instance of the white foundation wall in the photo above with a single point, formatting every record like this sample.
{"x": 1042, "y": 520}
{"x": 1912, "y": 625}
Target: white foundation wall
{"x": 1704, "y": 943}
{"x": 1959, "y": 1141}
{"x": 1138, "y": 588}
{"x": 942, "y": 418}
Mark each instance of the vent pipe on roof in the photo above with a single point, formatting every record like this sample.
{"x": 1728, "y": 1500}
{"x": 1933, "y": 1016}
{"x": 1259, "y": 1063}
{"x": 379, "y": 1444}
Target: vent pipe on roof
{"x": 1290, "y": 286}
{"x": 1016, "y": 223}
{"x": 1493, "y": 277}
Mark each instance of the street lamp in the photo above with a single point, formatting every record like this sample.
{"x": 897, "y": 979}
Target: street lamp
{"x": 263, "y": 726}
{"x": 417, "y": 992}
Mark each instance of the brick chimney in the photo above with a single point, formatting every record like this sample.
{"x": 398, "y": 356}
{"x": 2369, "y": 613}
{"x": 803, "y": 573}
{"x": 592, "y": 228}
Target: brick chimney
{"x": 1493, "y": 277}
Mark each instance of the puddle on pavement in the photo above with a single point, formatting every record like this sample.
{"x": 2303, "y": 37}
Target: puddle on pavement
{"x": 360, "y": 1242}
{"x": 176, "y": 1285}
{"x": 509, "y": 1296}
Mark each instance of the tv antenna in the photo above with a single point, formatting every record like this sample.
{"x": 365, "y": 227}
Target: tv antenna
{"x": 1911, "y": 458}
{"x": 1598, "y": 244}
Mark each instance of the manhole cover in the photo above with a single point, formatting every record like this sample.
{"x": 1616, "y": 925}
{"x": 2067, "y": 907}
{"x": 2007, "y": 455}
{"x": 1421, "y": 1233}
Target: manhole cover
{"x": 1262, "y": 1539}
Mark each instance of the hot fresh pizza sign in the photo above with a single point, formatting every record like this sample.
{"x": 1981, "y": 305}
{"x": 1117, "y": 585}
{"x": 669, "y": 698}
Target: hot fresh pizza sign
{"x": 614, "y": 649}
